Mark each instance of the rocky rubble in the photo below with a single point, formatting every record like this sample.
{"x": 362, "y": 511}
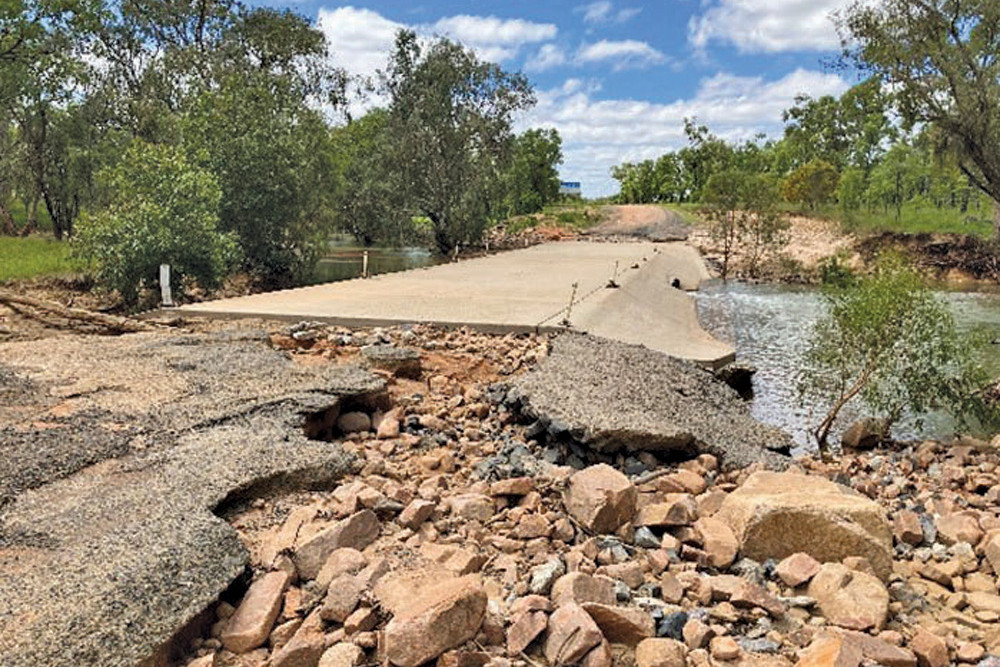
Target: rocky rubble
{"x": 460, "y": 544}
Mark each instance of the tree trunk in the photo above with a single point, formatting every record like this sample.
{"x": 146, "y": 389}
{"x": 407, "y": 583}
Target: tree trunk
{"x": 113, "y": 323}
{"x": 996, "y": 220}
{"x": 7, "y": 227}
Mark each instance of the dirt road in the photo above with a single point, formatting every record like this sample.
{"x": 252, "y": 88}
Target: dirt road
{"x": 647, "y": 222}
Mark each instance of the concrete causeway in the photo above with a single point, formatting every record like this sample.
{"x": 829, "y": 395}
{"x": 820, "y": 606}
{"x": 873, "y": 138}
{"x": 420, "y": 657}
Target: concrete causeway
{"x": 521, "y": 290}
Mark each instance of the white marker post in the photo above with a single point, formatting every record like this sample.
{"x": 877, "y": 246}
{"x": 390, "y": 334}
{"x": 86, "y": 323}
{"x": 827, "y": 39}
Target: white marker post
{"x": 165, "y": 296}
{"x": 364, "y": 265}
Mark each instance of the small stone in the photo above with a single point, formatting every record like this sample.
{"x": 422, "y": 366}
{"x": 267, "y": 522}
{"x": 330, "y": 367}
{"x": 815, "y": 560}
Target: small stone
{"x": 354, "y": 422}
{"x": 676, "y": 509}
{"x": 344, "y": 654}
{"x": 622, "y": 625}
{"x": 797, "y": 569}
{"x": 907, "y": 529}
{"x": 416, "y": 513}
{"x": 717, "y": 541}
{"x": 305, "y": 647}
{"x": 572, "y": 634}
{"x": 830, "y": 651}
{"x": 362, "y": 619}
{"x": 930, "y": 649}
{"x": 251, "y": 624}
{"x": 600, "y": 498}
{"x": 472, "y": 507}
{"x": 599, "y": 656}
{"x": 724, "y": 649}
{"x": 970, "y": 653}
{"x": 850, "y": 599}
{"x": 544, "y": 576}
{"x": 356, "y": 531}
{"x": 435, "y": 617}
{"x": 341, "y": 562}
{"x": 697, "y": 634}
{"x": 660, "y": 653}
{"x": 528, "y": 626}
{"x": 342, "y": 598}
{"x": 672, "y": 626}
{"x": 516, "y": 486}
{"x": 579, "y": 587}
{"x": 958, "y": 527}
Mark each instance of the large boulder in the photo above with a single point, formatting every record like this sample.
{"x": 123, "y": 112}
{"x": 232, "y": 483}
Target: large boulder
{"x": 775, "y": 515}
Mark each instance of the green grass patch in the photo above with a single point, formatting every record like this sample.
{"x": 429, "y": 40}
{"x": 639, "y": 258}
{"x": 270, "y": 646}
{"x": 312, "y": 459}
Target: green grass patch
{"x": 34, "y": 257}
{"x": 574, "y": 216}
{"x": 691, "y": 213}
{"x": 19, "y": 211}
{"x": 919, "y": 220}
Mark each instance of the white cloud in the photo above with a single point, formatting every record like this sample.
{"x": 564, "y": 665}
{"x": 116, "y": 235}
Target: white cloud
{"x": 766, "y": 26}
{"x": 361, "y": 39}
{"x": 598, "y": 134}
{"x": 546, "y": 58}
{"x": 625, "y": 54}
{"x": 604, "y": 12}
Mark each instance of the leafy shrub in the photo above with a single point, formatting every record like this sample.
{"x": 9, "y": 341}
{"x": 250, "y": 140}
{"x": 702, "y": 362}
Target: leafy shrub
{"x": 161, "y": 210}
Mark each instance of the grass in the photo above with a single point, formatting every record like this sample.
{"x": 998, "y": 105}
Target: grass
{"x": 19, "y": 211}
{"x": 576, "y": 215}
{"x": 34, "y": 257}
{"x": 919, "y": 220}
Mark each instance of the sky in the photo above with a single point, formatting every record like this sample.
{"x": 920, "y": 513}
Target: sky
{"x": 617, "y": 78}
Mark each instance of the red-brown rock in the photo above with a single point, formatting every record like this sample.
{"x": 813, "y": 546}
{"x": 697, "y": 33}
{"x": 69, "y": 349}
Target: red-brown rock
{"x": 600, "y": 498}
{"x": 250, "y": 626}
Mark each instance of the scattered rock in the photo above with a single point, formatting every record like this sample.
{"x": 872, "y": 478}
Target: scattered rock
{"x": 600, "y": 498}
{"x": 850, "y": 599}
{"x": 357, "y": 531}
{"x": 438, "y": 617}
{"x": 930, "y": 649}
{"x": 572, "y": 633}
{"x": 660, "y": 653}
{"x": 797, "y": 569}
{"x": 344, "y": 654}
{"x": 250, "y": 626}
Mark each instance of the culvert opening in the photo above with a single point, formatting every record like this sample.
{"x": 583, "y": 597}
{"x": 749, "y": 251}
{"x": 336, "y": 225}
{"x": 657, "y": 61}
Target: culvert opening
{"x": 349, "y": 415}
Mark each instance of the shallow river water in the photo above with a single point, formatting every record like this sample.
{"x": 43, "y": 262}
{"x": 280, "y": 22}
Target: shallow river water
{"x": 770, "y": 325}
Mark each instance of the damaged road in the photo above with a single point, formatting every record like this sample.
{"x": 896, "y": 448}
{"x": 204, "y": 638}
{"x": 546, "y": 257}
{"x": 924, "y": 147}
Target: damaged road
{"x": 611, "y": 397}
{"x": 114, "y": 461}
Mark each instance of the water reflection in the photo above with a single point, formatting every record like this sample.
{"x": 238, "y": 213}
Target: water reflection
{"x": 770, "y": 326}
{"x": 345, "y": 259}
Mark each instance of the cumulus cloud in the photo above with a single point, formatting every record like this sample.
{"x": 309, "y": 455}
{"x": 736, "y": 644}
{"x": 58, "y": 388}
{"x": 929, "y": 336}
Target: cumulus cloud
{"x": 598, "y": 134}
{"x": 765, "y": 26}
{"x": 624, "y": 54}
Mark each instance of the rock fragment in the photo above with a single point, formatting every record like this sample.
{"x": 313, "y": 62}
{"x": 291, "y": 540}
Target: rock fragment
{"x": 600, "y": 498}
{"x": 250, "y": 626}
{"x": 356, "y": 531}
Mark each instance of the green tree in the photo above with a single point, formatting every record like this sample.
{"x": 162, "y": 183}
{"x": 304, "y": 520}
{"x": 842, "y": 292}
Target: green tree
{"x": 161, "y": 210}
{"x": 532, "y": 180}
{"x": 271, "y": 156}
{"x": 852, "y": 189}
{"x": 888, "y": 340}
{"x": 940, "y": 58}
{"x": 450, "y": 117}
{"x": 368, "y": 203}
{"x": 813, "y": 183}
{"x": 743, "y": 212}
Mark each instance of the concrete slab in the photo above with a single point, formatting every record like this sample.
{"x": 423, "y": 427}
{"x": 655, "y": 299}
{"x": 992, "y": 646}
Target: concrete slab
{"x": 522, "y": 290}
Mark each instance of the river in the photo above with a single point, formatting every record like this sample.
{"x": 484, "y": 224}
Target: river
{"x": 769, "y": 325}
{"x": 345, "y": 259}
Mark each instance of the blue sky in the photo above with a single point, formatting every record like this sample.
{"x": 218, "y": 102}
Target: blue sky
{"x": 617, "y": 78}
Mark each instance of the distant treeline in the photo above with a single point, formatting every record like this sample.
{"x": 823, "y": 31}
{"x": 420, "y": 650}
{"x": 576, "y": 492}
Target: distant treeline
{"x": 849, "y": 151}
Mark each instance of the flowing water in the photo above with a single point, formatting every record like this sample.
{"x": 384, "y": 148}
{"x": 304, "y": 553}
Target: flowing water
{"x": 770, "y": 325}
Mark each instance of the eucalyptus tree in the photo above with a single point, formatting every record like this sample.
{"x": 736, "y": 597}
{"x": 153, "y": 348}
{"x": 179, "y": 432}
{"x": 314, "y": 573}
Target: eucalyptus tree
{"x": 450, "y": 120}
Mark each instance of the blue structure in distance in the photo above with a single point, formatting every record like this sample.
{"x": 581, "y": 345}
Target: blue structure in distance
{"x": 571, "y": 189}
